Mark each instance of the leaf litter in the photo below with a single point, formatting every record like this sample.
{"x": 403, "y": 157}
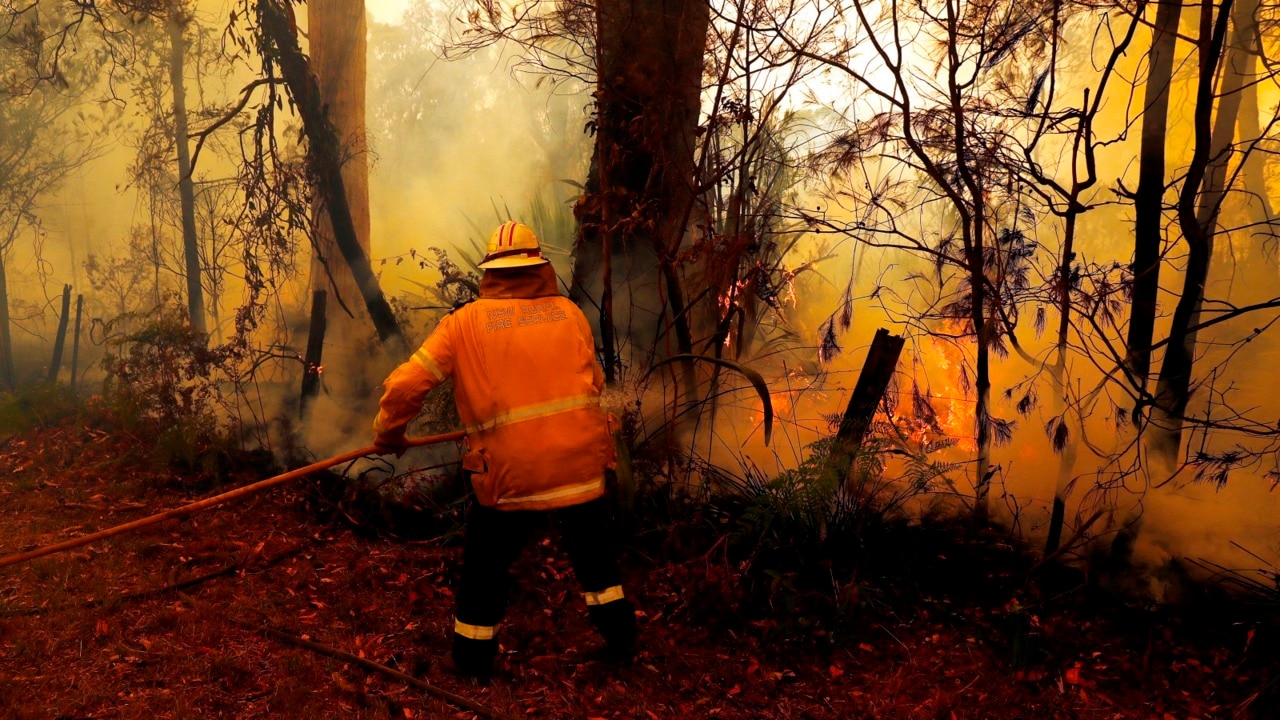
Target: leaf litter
{"x": 105, "y": 633}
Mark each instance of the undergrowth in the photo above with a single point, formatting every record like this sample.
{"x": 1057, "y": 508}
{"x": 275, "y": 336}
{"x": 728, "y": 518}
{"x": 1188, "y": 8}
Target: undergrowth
{"x": 164, "y": 386}
{"x": 36, "y": 406}
{"x": 800, "y": 554}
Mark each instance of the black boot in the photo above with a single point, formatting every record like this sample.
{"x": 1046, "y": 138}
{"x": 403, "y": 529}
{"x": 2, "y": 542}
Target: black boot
{"x": 474, "y": 658}
{"x": 616, "y": 622}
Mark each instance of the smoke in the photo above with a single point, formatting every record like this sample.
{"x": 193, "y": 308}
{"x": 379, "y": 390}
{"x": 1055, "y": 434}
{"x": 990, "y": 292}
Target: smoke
{"x": 460, "y": 146}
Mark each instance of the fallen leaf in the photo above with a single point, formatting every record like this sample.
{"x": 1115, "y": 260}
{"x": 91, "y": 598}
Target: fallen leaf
{"x": 342, "y": 683}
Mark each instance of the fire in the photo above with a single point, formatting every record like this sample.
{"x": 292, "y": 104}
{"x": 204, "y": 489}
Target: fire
{"x": 937, "y": 411}
{"x": 957, "y": 408}
{"x": 776, "y": 296}
{"x": 789, "y": 389}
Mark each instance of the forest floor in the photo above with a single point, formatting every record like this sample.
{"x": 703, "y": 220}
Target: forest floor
{"x": 102, "y": 631}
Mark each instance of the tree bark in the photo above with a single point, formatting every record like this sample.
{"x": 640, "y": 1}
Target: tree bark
{"x": 337, "y": 42}
{"x": 313, "y": 361}
{"x": 641, "y": 191}
{"x": 593, "y": 264}
{"x": 177, "y": 22}
{"x": 75, "y": 344}
{"x": 1058, "y": 373}
{"x": 60, "y": 340}
{"x": 1253, "y": 170}
{"x": 6, "y": 341}
{"x": 324, "y": 156}
{"x": 1198, "y": 203}
{"x": 1148, "y": 201}
{"x": 982, "y": 363}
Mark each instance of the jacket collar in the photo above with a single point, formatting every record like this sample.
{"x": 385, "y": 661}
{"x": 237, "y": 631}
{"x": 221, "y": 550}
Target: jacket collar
{"x": 522, "y": 282}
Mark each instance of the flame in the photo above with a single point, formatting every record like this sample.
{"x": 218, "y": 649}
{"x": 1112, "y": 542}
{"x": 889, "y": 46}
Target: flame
{"x": 955, "y": 407}
{"x": 786, "y": 296}
{"x": 789, "y": 389}
{"x": 946, "y": 417}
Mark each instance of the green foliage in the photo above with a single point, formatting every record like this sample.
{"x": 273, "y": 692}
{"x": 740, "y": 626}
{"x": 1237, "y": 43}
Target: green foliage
{"x": 458, "y": 282}
{"x": 1027, "y": 643}
{"x": 165, "y": 380}
{"x": 804, "y": 532}
{"x": 35, "y": 406}
{"x": 827, "y": 498}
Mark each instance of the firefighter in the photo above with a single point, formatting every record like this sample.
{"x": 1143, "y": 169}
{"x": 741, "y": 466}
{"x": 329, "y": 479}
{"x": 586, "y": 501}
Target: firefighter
{"x": 527, "y": 387}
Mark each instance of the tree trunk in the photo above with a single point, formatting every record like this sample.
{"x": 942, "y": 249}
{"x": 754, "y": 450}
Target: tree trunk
{"x": 649, "y": 81}
{"x": 177, "y": 22}
{"x": 313, "y": 367}
{"x": 6, "y": 341}
{"x": 1198, "y": 204}
{"x": 75, "y": 344}
{"x": 1253, "y": 169}
{"x": 324, "y": 157}
{"x": 1148, "y": 201}
{"x": 337, "y": 40}
{"x": 982, "y": 367}
{"x": 60, "y": 340}
{"x": 1058, "y": 372}
{"x": 593, "y": 265}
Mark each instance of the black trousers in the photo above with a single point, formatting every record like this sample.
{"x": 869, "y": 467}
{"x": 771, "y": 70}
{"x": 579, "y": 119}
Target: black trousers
{"x": 494, "y": 539}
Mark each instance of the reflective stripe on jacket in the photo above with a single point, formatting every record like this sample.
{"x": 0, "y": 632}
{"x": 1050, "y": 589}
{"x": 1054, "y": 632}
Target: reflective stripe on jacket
{"x": 527, "y": 386}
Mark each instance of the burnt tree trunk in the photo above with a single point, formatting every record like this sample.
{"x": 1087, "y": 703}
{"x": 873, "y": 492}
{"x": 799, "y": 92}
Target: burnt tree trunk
{"x": 1148, "y": 201}
{"x": 593, "y": 264}
{"x": 1253, "y": 169}
{"x": 1058, "y": 373}
{"x": 6, "y": 340}
{"x": 312, "y": 362}
{"x": 60, "y": 340}
{"x": 982, "y": 331}
{"x": 324, "y": 155}
{"x": 642, "y": 186}
{"x": 1198, "y": 204}
{"x": 75, "y": 343}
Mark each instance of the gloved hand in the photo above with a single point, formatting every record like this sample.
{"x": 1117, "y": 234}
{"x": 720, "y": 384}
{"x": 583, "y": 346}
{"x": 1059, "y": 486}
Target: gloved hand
{"x": 390, "y": 444}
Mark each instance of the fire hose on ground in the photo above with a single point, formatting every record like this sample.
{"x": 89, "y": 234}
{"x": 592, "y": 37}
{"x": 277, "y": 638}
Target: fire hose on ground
{"x": 216, "y": 500}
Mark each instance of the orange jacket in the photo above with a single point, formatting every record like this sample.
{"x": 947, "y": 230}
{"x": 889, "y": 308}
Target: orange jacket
{"x": 527, "y": 386}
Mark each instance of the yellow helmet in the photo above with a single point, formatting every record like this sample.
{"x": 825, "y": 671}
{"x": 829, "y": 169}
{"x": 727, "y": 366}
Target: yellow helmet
{"x": 512, "y": 245}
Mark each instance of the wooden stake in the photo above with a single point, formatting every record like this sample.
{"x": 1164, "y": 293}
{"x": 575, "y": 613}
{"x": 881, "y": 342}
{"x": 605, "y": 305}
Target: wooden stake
{"x": 874, "y": 379}
{"x": 216, "y": 500}
{"x": 60, "y": 341}
{"x": 75, "y": 342}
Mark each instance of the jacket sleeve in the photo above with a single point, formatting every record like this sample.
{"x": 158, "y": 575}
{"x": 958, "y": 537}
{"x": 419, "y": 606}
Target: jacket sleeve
{"x": 407, "y": 386}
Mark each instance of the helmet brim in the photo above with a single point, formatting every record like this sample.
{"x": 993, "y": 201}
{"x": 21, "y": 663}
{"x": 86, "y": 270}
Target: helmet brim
{"x": 512, "y": 262}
